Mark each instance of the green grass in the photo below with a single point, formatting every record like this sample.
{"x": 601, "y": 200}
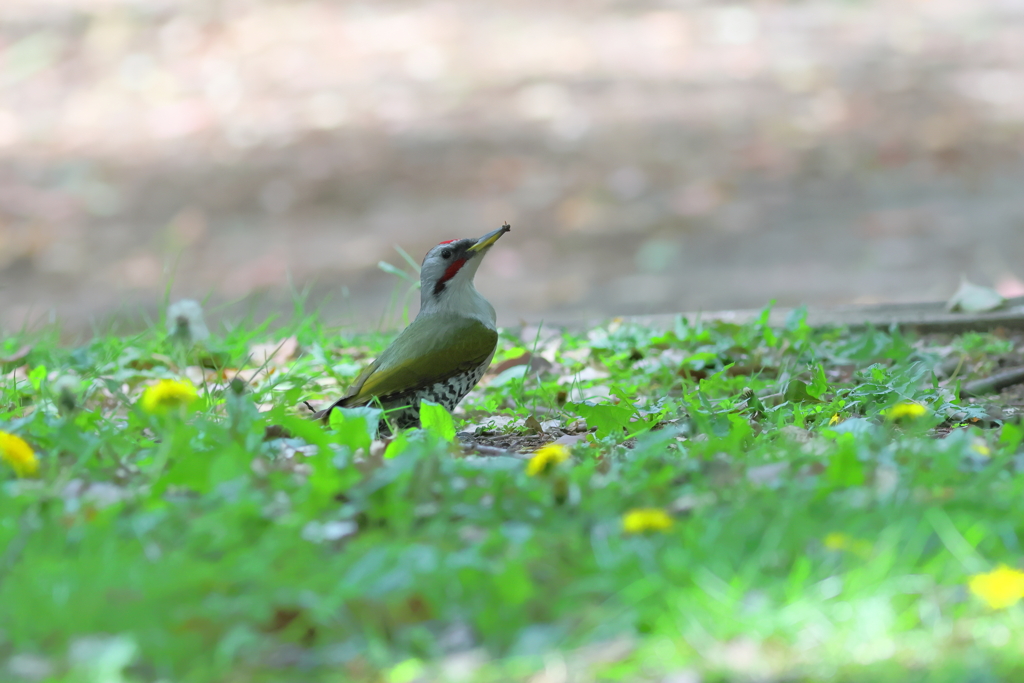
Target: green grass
{"x": 813, "y": 537}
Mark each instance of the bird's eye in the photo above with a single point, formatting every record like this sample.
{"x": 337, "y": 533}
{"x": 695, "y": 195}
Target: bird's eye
{"x": 447, "y": 253}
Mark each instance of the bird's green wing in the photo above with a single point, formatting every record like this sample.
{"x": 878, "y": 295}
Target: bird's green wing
{"x": 424, "y": 353}
{"x": 349, "y": 398}
{"x": 360, "y": 379}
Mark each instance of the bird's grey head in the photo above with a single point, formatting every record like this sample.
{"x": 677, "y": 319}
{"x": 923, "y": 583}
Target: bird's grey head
{"x": 446, "y": 265}
{"x": 452, "y": 264}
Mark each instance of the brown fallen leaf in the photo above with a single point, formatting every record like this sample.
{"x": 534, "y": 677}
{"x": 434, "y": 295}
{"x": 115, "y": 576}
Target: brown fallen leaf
{"x": 587, "y": 374}
{"x": 550, "y": 426}
{"x": 19, "y": 374}
{"x": 251, "y": 376}
{"x": 294, "y": 619}
{"x": 491, "y": 425}
{"x": 534, "y": 424}
{"x": 498, "y": 368}
{"x": 537, "y": 364}
{"x": 688, "y": 502}
{"x": 151, "y": 361}
{"x": 577, "y": 426}
{"x": 357, "y": 353}
{"x": 767, "y": 475}
{"x": 17, "y": 355}
{"x": 972, "y": 298}
{"x": 274, "y": 353}
{"x": 570, "y": 440}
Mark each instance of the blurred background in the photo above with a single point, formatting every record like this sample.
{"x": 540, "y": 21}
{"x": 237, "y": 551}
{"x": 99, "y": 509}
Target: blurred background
{"x": 651, "y": 156}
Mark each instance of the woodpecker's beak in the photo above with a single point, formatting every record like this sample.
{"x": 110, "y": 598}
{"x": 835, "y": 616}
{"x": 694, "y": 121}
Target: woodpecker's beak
{"x": 489, "y": 239}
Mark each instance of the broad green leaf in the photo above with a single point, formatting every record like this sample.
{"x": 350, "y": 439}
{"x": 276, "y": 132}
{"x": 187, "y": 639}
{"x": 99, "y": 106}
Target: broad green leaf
{"x": 231, "y": 463}
{"x": 819, "y": 385}
{"x": 309, "y": 431}
{"x": 203, "y": 470}
{"x": 855, "y": 425}
{"x": 510, "y": 375}
{"x": 189, "y": 469}
{"x": 176, "y": 463}
{"x": 437, "y": 420}
{"x": 1011, "y": 436}
{"x": 700, "y": 360}
{"x": 398, "y": 445}
{"x": 514, "y": 584}
{"x": 355, "y": 427}
{"x": 972, "y": 298}
{"x": 607, "y": 418}
{"x": 844, "y": 468}
{"x": 406, "y": 672}
{"x": 36, "y": 376}
{"x": 796, "y": 323}
{"x": 327, "y": 479}
{"x": 797, "y": 391}
{"x": 767, "y": 333}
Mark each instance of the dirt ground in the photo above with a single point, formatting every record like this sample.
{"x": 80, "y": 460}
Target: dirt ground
{"x": 651, "y": 156}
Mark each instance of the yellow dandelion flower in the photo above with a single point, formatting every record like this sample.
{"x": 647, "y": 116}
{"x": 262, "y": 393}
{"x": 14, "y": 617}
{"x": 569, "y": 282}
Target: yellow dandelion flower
{"x": 836, "y": 541}
{"x": 844, "y": 542}
{"x": 999, "y": 588}
{"x": 18, "y": 454}
{"x": 906, "y": 410}
{"x": 641, "y": 520}
{"x": 981, "y": 448}
{"x": 835, "y": 420}
{"x": 546, "y": 458}
{"x": 166, "y": 395}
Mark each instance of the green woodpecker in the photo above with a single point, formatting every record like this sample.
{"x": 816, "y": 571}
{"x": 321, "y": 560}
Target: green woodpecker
{"x": 444, "y": 352}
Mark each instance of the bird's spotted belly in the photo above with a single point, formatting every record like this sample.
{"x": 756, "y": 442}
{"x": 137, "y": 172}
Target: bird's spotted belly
{"x": 404, "y": 410}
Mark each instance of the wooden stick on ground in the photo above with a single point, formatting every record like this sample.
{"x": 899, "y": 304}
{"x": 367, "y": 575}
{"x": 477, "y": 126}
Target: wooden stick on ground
{"x": 922, "y": 318}
{"x": 993, "y": 384}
